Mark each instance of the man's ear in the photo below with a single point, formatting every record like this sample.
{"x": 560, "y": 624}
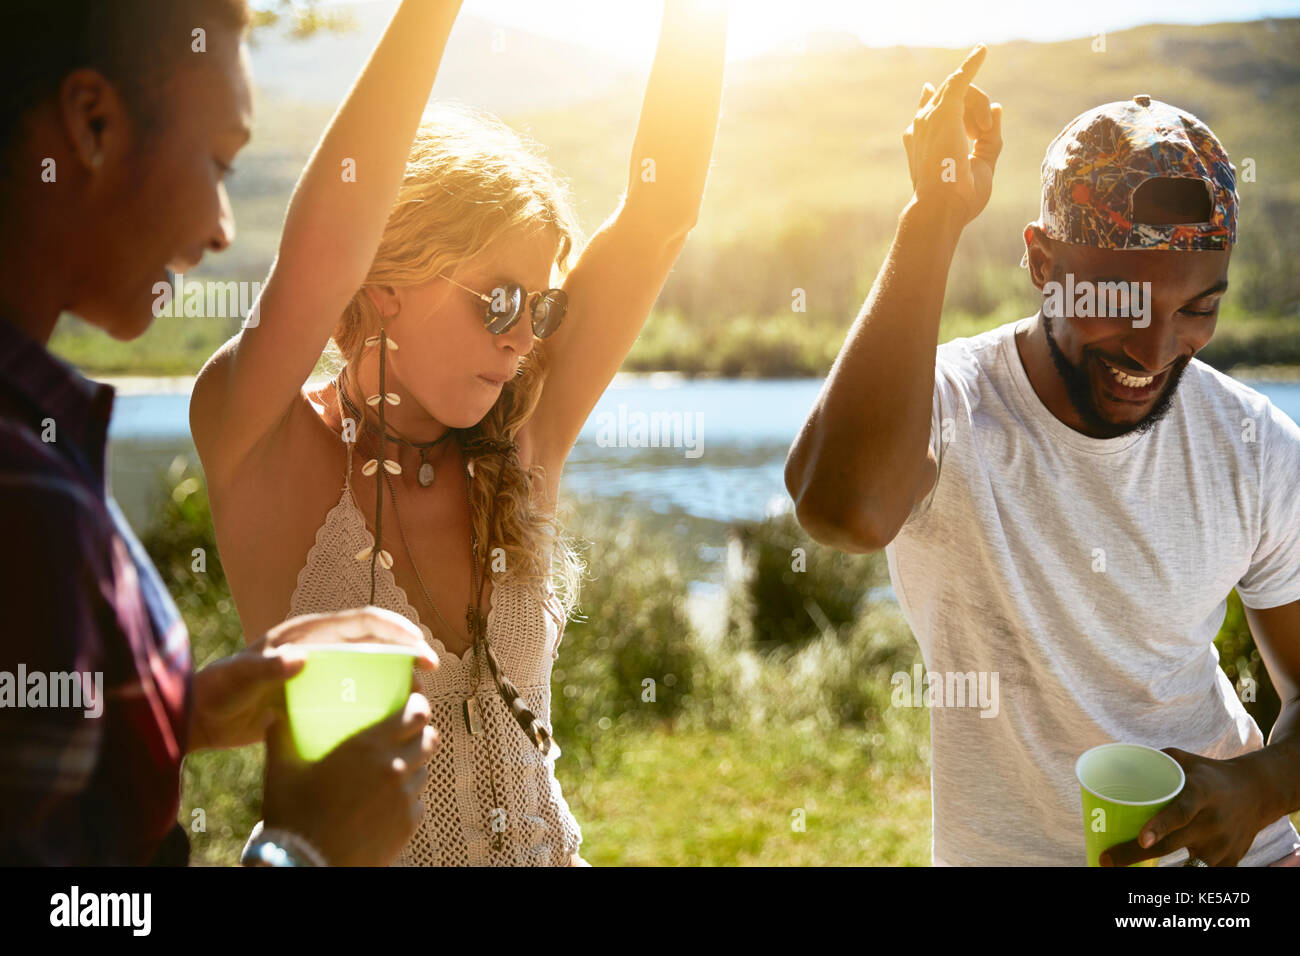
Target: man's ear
{"x": 384, "y": 299}
{"x": 94, "y": 119}
{"x": 1039, "y": 255}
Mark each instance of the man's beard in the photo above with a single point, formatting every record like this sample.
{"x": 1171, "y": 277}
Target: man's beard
{"x": 1078, "y": 387}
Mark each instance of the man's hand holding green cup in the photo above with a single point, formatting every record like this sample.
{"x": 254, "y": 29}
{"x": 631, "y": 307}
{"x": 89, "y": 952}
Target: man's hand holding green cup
{"x": 353, "y": 679}
{"x": 1123, "y": 786}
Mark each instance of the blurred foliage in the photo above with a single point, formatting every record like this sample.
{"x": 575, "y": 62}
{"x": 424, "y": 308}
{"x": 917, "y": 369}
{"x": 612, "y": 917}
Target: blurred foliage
{"x": 226, "y": 785}
{"x": 171, "y": 346}
{"x": 1240, "y": 660}
{"x": 770, "y": 795}
{"x": 627, "y": 657}
{"x": 791, "y": 589}
{"x": 196, "y": 580}
{"x": 299, "y": 19}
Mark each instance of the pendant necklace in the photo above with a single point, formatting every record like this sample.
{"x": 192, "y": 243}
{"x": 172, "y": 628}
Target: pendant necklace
{"x": 425, "y": 475}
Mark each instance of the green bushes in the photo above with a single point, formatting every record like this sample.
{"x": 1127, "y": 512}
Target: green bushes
{"x": 628, "y": 656}
{"x": 816, "y": 644}
{"x": 790, "y": 589}
{"x": 1240, "y": 660}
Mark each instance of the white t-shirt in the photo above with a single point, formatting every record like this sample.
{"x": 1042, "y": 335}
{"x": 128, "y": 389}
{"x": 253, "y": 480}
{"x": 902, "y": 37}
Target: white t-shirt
{"x": 1091, "y": 576}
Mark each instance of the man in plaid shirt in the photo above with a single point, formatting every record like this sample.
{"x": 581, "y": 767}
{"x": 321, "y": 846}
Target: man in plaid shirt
{"x": 114, "y": 142}
{"x": 81, "y": 596}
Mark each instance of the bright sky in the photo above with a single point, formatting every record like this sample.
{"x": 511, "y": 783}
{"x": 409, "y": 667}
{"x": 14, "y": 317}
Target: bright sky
{"x": 627, "y": 28}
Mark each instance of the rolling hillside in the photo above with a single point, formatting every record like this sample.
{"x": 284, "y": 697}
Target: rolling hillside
{"x": 809, "y": 175}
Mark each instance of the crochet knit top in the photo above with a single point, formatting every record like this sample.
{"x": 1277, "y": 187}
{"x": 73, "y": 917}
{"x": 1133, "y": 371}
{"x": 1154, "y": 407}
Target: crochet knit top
{"x": 461, "y": 815}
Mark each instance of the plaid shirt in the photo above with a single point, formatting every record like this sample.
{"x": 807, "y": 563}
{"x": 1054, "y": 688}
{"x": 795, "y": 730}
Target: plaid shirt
{"x": 80, "y": 594}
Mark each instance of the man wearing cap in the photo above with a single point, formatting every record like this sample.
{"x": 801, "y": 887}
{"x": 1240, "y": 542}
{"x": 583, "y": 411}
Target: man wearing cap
{"x": 1066, "y": 501}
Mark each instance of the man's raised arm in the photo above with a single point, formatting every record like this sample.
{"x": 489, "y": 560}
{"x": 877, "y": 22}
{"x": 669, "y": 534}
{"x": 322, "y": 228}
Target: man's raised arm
{"x": 861, "y": 460}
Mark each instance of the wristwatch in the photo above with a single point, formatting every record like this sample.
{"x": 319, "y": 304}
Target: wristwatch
{"x": 278, "y": 847}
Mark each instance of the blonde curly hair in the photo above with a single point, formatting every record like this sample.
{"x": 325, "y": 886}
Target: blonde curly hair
{"x": 469, "y": 180}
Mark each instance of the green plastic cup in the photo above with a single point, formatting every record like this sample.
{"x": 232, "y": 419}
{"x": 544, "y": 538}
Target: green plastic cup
{"x": 1123, "y": 786}
{"x": 342, "y": 690}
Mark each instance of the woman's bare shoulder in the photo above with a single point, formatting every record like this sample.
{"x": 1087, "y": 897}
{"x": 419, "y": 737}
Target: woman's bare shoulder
{"x": 281, "y": 493}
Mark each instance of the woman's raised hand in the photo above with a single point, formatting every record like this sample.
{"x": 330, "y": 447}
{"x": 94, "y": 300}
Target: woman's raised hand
{"x": 332, "y": 230}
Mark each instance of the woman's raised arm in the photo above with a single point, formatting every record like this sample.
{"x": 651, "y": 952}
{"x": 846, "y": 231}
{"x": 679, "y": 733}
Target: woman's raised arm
{"x": 619, "y": 274}
{"x": 333, "y": 226}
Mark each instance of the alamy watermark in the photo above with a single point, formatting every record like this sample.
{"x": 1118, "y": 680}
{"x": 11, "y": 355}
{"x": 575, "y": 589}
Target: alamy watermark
{"x": 210, "y": 299}
{"x": 1098, "y": 300}
{"x": 638, "y": 429}
{"x": 79, "y": 690}
{"x": 946, "y": 689}
{"x": 75, "y": 908}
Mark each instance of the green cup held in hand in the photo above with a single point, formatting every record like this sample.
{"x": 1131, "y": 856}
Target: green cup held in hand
{"x": 1123, "y": 786}
{"x": 342, "y": 690}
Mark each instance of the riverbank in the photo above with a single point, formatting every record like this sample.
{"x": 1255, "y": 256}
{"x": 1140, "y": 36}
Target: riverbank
{"x": 714, "y": 347}
{"x": 184, "y": 384}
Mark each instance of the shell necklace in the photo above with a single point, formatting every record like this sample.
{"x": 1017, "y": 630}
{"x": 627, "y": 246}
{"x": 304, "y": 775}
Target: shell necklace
{"x": 425, "y": 475}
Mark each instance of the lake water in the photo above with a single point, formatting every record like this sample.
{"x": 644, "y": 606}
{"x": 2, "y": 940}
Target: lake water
{"x": 730, "y": 442}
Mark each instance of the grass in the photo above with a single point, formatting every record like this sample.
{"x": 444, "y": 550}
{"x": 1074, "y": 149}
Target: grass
{"x": 663, "y": 797}
{"x": 685, "y": 798}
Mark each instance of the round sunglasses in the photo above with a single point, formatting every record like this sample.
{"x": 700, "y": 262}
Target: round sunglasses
{"x": 507, "y": 302}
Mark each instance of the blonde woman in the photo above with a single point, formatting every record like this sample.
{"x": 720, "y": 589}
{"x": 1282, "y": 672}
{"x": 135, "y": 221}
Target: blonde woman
{"x": 424, "y": 477}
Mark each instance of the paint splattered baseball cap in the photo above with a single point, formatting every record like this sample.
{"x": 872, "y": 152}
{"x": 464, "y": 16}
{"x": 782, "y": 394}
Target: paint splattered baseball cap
{"x": 1100, "y": 161}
